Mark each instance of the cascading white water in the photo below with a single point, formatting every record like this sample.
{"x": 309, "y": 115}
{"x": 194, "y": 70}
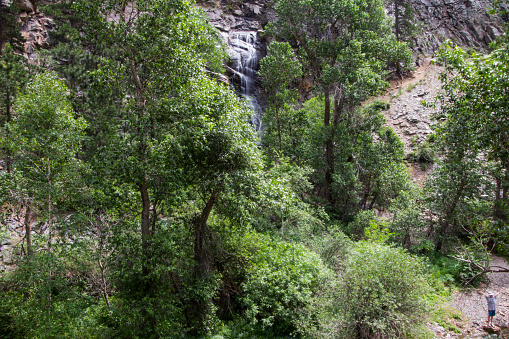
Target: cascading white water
{"x": 242, "y": 52}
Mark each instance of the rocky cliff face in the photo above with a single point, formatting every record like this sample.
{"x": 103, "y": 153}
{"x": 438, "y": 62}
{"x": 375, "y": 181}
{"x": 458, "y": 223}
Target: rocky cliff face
{"x": 466, "y": 22}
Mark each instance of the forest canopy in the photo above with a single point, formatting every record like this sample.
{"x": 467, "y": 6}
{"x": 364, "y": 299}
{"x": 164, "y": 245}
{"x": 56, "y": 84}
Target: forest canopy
{"x": 150, "y": 208}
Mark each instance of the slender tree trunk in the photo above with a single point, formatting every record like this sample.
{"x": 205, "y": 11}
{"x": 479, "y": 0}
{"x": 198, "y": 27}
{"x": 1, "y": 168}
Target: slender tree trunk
{"x": 28, "y": 229}
{"x": 8, "y": 155}
{"x": 103, "y": 276}
{"x": 505, "y": 193}
{"x": 396, "y": 18}
{"x": 498, "y": 205}
{"x": 100, "y": 231}
{"x": 329, "y": 153}
{"x": 145, "y": 199}
{"x": 200, "y": 228}
{"x": 365, "y": 198}
{"x": 279, "y": 129}
{"x": 154, "y": 217}
{"x": 276, "y": 107}
{"x": 145, "y": 212}
{"x": 50, "y": 236}
{"x": 375, "y": 198}
{"x": 448, "y": 215}
{"x": 338, "y": 109}
{"x": 197, "y": 304}
{"x": 501, "y": 204}
{"x": 326, "y": 115}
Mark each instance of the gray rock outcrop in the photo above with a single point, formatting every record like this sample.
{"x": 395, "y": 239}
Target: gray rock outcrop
{"x": 466, "y": 22}
{"x": 26, "y": 5}
{"x": 35, "y": 29}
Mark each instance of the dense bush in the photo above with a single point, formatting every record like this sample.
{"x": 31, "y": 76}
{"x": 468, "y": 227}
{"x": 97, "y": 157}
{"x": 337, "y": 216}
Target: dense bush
{"x": 382, "y": 293}
{"x": 281, "y": 280}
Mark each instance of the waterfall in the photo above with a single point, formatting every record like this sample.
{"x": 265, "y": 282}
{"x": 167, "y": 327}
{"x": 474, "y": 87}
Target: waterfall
{"x": 244, "y": 58}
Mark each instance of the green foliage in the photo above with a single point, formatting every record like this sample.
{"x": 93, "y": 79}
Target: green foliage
{"x": 472, "y": 127}
{"x": 377, "y": 232}
{"x": 424, "y": 152}
{"x": 404, "y": 17}
{"x": 333, "y": 247}
{"x": 282, "y": 278}
{"x": 45, "y": 136}
{"x": 462, "y": 186}
{"x": 382, "y": 292}
{"x": 13, "y": 77}
{"x": 9, "y": 26}
{"x": 458, "y": 269}
{"x": 277, "y": 70}
{"x": 53, "y": 294}
{"x": 368, "y": 159}
{"x": 344, "y": 46}
{"x": 44, "y": 125}
{"x": 292, "y": 217}
{"x": 362, "y": 220}
{"x": 407, "y": 220}
{"x": 279, "y": 67}
{"x": 145, "y": 183}
{"x": 156, "y": 301}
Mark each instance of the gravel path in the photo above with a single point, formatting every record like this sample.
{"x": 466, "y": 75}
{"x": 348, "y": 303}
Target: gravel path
{"x": 473, "y": 304}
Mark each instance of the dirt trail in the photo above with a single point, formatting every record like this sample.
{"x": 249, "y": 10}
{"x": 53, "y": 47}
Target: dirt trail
{"x": 472, "y": 309}
{"x": 472, "y": 303}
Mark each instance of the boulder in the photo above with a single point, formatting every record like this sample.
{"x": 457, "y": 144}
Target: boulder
{"x": 26, "y": 5}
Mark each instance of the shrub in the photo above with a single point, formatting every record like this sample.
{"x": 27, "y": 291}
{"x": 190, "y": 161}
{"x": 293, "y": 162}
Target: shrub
{"x": 424, "y": 153}
{"x": 362, "y": 221}
{"x": 281, "y": 281}
{"x": 383, "y": 292}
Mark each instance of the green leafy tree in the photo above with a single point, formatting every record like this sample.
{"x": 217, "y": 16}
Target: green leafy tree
{"x": 13, "y": 77}
{"x": 368, "y": 159}
{"x": 45, "y": 137}
{"x": 345, "y": 47}
{"x": 472, "y": 126}
{"x": 179, "y": 148}
{"x": 404, "y": 16}
{"x": 277, "y": 70}
{"x": 282, "y": 278}
{"x": 9, "y": 27}
{"x": 154, "y": 59}
{"x": 408, "y": 222}
{"x": 76, "y": 60}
